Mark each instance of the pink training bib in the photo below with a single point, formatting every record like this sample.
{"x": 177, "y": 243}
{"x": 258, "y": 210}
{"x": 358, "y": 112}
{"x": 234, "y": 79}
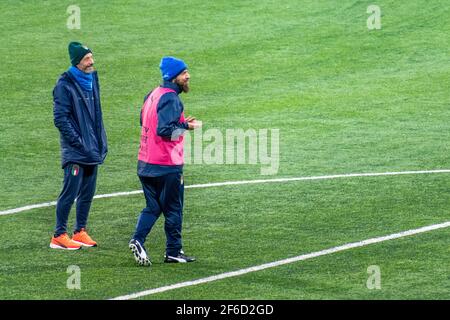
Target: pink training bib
{"x": 155, "y": 149}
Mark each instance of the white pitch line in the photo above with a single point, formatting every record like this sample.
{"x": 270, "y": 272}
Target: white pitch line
{"x": 30, "y": 207}
{"x": 231, "y": 183}
{"x": 285, "y": 261}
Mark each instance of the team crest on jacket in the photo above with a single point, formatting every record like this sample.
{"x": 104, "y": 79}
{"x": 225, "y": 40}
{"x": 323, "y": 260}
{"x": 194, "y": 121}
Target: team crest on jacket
{"x": 75, "y": 170}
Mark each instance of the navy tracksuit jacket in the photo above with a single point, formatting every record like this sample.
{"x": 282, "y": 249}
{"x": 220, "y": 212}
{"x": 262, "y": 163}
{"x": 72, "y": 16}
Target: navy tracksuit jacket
{"x": 78, "y": 117}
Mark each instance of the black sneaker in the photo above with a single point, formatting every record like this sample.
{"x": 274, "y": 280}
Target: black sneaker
{"x": 140, "y": 255}
{"x": 180, "y": 258}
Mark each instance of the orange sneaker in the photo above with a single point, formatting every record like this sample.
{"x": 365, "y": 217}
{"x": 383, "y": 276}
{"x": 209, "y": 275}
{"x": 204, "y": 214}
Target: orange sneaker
{"x": 82, "y": 238}
{"x": 64, "y": 242}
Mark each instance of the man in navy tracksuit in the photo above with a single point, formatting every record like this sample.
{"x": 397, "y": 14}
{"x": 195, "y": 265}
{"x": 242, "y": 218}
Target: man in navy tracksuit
{"x": 160, "y": 161}
{"x": 78, "y": 117}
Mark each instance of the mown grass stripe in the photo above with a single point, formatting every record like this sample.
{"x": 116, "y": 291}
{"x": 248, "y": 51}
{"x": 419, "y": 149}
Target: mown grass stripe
{"x": 231, "y": 183}
{"x": 285, "y": 261}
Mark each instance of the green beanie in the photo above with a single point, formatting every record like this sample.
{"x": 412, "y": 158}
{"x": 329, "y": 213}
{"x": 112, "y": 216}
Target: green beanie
{"x": 77, "y": 51}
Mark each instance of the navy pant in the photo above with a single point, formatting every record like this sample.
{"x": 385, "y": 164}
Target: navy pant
{"x": 163, "y": 194}
{"x": 79, "y": 183}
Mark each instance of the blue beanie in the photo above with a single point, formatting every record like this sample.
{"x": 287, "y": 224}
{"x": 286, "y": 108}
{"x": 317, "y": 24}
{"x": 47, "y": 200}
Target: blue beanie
{"x": 171, "y": 67}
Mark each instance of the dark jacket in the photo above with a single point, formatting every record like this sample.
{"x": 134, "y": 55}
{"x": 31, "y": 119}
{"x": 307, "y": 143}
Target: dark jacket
{"x": 83, "y": 136}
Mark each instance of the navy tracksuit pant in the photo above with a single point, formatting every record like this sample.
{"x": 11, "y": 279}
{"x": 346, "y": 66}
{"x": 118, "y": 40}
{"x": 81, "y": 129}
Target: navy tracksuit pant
{"x": 79, "y": 183}
{"x": 163, "y": 194}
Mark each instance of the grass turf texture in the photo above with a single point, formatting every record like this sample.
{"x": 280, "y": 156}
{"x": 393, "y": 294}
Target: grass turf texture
{"x": 345, "y": 99}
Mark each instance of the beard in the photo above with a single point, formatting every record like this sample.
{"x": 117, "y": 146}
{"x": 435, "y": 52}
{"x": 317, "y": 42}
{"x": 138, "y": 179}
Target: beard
{"x": 88, "y": 69}
{"x": 183, "y": 85}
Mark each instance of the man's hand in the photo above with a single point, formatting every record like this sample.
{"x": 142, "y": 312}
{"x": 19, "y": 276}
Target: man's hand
{"x": 193, "y": 123}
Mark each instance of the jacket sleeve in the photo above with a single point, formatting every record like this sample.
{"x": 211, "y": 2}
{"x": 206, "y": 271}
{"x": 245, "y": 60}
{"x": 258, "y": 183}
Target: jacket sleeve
{"x": 169, "y": 112}
{"x": 62, "y": 109}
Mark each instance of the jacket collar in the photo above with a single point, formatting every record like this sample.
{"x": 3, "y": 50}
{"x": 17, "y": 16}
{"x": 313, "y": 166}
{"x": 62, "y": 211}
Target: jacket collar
{"x": 173, "y": 86}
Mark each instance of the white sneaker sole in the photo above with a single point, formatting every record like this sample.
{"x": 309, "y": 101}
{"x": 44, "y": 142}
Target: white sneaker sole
{"x": 84, "y": 244}
{"x": 143, "y": 261}
{"x": 175, "y": 260}
{"x": 55, "y": 246}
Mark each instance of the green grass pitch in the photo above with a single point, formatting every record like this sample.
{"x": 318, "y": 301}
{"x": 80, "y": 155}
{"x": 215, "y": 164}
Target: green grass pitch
{"x": 345, "y": 99}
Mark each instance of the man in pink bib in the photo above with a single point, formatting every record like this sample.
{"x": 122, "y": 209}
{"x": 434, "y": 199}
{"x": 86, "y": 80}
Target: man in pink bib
{"x": 160, "y": 161}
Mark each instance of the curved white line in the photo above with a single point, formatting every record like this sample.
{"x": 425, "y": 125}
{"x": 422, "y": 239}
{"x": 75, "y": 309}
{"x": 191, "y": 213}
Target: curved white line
{"x": 230, "y": 183}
